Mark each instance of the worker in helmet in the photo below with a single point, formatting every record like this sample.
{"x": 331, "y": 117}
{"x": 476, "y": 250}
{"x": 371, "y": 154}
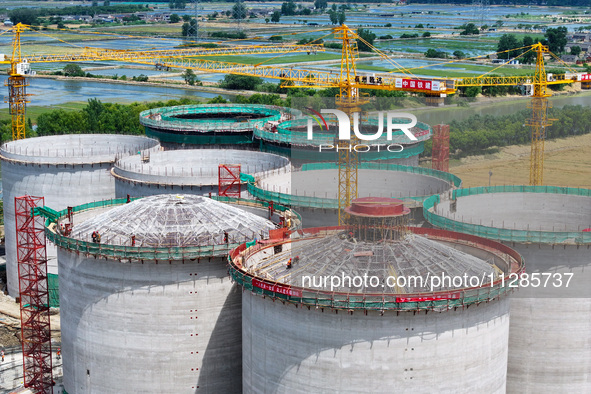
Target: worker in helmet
{"x": 289, "y": 263}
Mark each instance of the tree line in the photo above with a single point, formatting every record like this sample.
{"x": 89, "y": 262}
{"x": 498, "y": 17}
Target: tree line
{"x": 28, "y": 16}
{"x": 484, "y": 134}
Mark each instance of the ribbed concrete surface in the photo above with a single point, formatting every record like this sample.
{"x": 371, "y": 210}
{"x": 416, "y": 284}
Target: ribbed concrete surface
{"x": 550, "y": 333}
{"x": 192, "y": 171}
{"x": 67, "y": 170}
{"x": 149, "y": 328}
{"x": 296, "y": 350}
{"x": 375, "y": 183}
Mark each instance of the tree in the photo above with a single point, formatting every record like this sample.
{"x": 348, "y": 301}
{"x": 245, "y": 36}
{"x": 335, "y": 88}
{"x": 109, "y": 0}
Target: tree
{"x": 469, "y": 29}
{"x": 426, "y": 34}
{"x": 26, "y": 16}
{"x": 186, "y": 18}
{"x": 320, "y": 4}
{"x": 459, "y": 54}
{"x": 239, "y": 10}
{"x": 366, "y": 35}
{"x": 435, "y": 53}
{"x": 275, "y": 16}
{"x": 73, "y": 70}
{"x": 106, "y": 3}
{"x": 507, "y": 42}
{"x": 334, "y": 18}
{"x": 556, "y": 39}
{"x": 529, "y": 56}
{"x": 190, "y": 77}
{"x": 288, "y": 8}
{"x": 93, "y": 112}
{"x": 342, "y": 17}
{"x": 240, "y": 82}
{"x": 187, "y": 27}
{"x": 575, "y": 50}
{"x": 267, "y": 20}
{"x": 174, "y": 18}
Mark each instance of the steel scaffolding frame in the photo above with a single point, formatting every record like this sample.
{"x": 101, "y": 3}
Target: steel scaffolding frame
{"x": 34, "y": 295}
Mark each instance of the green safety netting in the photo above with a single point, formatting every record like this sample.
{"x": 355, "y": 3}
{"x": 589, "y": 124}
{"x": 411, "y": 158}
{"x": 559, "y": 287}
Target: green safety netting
{"x": 141, "y": 253}
{"x": 379, "y": 302}
{"x": 314, "y": 155}
{"x": 191, "y": 138}
{"x": 53, "y": 287}
{"x": 168, "y": 117}
{"x": 331, "y": 203}
{"x": 294, "y": 132}
{"x": 503, "y": 234}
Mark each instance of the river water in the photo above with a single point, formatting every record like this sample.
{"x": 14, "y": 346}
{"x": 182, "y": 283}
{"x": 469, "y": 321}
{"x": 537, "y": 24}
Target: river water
{"x": 50, "y": 92}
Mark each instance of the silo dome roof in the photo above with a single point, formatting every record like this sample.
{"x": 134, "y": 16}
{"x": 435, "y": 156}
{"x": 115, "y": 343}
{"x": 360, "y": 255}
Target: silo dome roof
{"x": 336, "y": 255}
{"x": 173, "y": 221}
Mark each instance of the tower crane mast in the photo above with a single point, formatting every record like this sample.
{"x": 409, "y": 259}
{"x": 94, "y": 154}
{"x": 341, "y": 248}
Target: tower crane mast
{"x": 349, "y": 82}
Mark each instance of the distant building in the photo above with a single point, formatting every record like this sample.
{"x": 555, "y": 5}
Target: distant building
{"x": 569, "y": 58}
{"x": 8, "y": 22}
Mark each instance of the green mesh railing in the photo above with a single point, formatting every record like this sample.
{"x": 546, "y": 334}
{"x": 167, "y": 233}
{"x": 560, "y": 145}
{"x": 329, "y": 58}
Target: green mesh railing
{"x": 504, "y": 234}
{"x": 310, "y": 154}
{"x": 437, "y": 300}
{"x": 372, "y": 302}
{"x": 187, "y": 137}
{"x": 286, "y": 134}
{"x": 333, "y": 203}
{"x": 143, "y": 253}
{"x": 165, "y": 118}
{"x": 53, "y": 289}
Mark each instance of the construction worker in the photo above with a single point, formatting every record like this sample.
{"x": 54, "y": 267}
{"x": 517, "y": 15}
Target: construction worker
{"x": 94, "y": 236}
{"x": 296, "y": 259}
{"x": 59, "y": 353}
{"x": 226, "y": 237}
{"x": 2, "y": 355}
{"x": 289, "y": 263}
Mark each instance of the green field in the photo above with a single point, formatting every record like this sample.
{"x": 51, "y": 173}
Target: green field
{"x": 281, "y": 59}
{"x": 33, "y": 111}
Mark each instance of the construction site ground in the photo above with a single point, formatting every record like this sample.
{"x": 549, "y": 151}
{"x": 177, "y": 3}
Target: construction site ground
{"x": 566, "y": 163}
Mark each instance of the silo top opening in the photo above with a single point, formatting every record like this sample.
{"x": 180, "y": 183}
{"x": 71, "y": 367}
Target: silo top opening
{"x": 76, "y": 148}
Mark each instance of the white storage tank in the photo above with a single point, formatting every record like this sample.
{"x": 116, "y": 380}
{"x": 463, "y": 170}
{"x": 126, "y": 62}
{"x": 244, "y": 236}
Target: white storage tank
{"x": 359, "y": 331}
{"x": 67, "y": 170}
{"x": 191, "y": 171}
{"x": 550, "y": 330}
{"x": 151, "y": 307}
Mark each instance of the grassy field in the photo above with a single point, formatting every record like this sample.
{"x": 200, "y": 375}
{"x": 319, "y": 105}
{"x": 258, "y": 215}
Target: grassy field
{"x": 282, "y": 59}
{"x": 33, "y": 111}
{"x": 566, "y": 163}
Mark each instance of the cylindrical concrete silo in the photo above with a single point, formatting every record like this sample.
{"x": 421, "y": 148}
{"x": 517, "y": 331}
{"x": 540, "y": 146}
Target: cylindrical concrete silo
{"x": 191, "y": 171}
{"x": 291, "y": 138}
{"x": 343, "y": 320}
{"x": 151, "y": 308}
{"x": 222, "y": 125}
{"x": 67, "y": 170}
{"x": 550, "y": 226}
{"x": 313, "y": 188}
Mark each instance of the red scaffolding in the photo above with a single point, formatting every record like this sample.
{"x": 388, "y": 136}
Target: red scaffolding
{"x": 34, "y": 295}
{"x": 440, "y": 151}
{"x": 229, "y": 180}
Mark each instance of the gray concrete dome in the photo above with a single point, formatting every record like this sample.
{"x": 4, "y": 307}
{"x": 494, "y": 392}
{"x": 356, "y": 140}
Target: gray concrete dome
{"x": 173, "y": 220}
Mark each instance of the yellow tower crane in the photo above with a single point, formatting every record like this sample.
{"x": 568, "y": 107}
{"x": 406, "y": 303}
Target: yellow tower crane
{"x": 350, "y": 84}
{"x": 20, "y": 66}
{"x": 350, "y": 98}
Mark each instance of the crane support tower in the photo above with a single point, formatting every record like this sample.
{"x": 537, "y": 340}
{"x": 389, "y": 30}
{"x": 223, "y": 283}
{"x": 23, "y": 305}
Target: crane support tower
{"x": 34, "y": 295}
